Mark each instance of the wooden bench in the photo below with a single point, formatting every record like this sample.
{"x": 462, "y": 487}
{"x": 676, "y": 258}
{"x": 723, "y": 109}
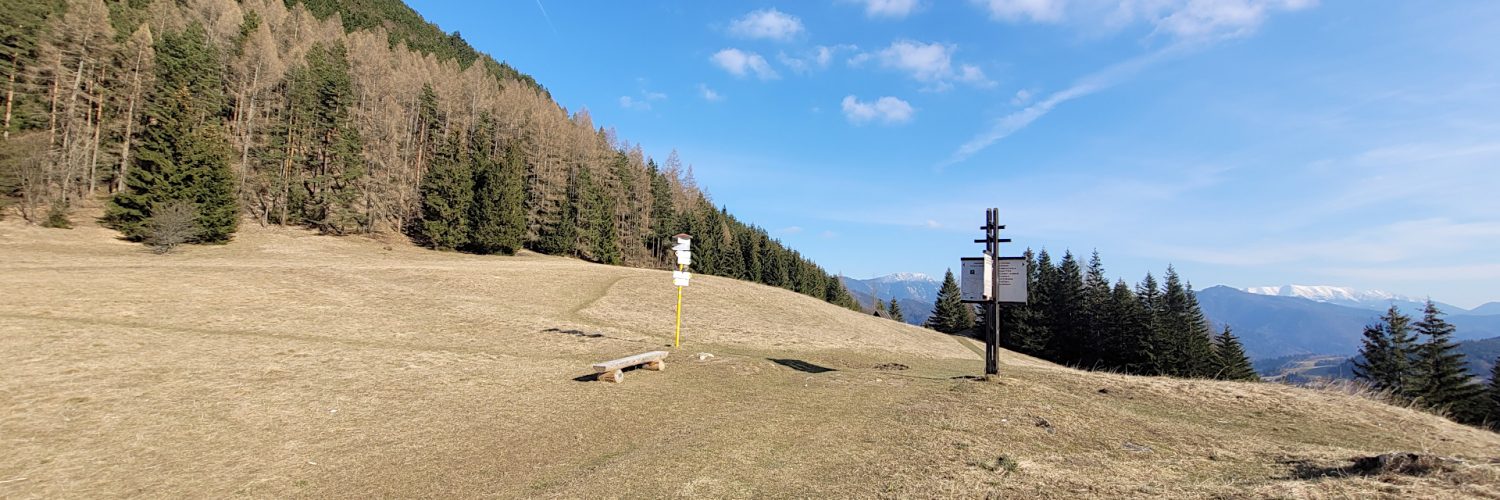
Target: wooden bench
{"x": 614, "y": 370}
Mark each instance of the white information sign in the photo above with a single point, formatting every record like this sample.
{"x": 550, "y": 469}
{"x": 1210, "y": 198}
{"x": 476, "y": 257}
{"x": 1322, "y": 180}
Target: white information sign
{"x": 684, "y": 258}
{"x": 1010, "y": 279}
{"x": 977, "y": 278}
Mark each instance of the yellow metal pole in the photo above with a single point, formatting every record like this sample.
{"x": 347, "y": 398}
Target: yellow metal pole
{"x": 677, "y": 332}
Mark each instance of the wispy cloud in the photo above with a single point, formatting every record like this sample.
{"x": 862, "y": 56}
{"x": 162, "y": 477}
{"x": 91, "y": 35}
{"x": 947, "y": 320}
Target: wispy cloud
{"x": 1396, "y": 242}
{"x": 742, "y": 63}
{"x": 888, "y": 110}
{"x": 1178, "y": 19}
{"x": 628, "y": 102}
{"x": 768, "y": 24}
{"x": 894, "y": 9}
{"x": 1011, "y": 123}
{"x": 929, "y": 63}
{"x": 709, "y": 94}
{"x": 816, "y": 59}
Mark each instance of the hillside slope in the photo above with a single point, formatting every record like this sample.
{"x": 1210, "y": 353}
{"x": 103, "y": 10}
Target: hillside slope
{"x": 287, "y": 364}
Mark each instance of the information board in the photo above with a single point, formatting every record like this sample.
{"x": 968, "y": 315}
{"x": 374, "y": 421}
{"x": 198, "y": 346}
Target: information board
{"x": 977, "y": 279}
{"x": 1010, "y": 279}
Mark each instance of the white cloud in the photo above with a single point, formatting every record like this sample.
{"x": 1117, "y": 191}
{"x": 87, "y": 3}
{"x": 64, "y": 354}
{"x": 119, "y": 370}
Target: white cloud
{"x": 929, "y": 63}
{"x": 1179, "y": 19}
{"x": 1022, "y": 97}
{"x": 1010, "y": 124}
{"x": 1016, "y": 10}
{"x": 933, "y": 224}
{"x": 888, "y": 110}
{"x": 890, "y": 8}
{"x": 628, "y": 102}
{"x": 791, "y": 230}
{"x": 769, "y": 24}
{"x": 742, "y": 63}
{"x": 817, "y": 58}
{"x": 709, "y": 94}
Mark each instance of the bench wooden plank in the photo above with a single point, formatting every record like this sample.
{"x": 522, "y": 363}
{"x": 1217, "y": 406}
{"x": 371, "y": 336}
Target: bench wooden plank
{"x": 629, "y": 361}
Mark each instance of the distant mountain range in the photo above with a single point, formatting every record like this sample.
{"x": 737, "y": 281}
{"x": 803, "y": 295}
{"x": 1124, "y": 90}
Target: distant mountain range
{"x": 1273, "y": 326}
{"x": 1291, "y": 322}
{"x": 1479, "y": 356}
{"x": 1351, "y": 297}
{"x": 914, "y": 292}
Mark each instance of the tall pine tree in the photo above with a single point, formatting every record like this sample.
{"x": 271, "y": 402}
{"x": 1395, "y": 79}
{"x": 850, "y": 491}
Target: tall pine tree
{"x": 1230, "y": 360}
{"x": 1439, "y": 377}
{"x": 1386, "y": 353}
{"x": 950, "y": 314}
{"x": 497, "y": 216}
{"x": 447, "y": 193}
{"x": 895, "y": 311}
{"x": 1494, "y": 416}
{"x": 183, "y": 154}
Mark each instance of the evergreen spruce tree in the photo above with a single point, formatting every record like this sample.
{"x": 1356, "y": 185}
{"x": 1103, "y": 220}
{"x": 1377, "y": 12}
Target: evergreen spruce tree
{"x": 322, "y": 103}
{"x": 183, "y": 154}
{"x": 1385, "y": 354}
{"x": 1065, "y": 317}
{"x": 498, "y": 217}
{"x": 1152, "y": 334}
{"x": 895, "y": 311}
{"x": 1130, "y": 330}
{"x": 1097, "y": 345}
{"x": 1021, "y": 326}
{"x": 1186, "y": 348}
{"x": 1200, "y": 344}
{"x": 560, "y": 237}
{"x": 949, "y": 313}
{"x": 1231, "y": 362}
{"x": 1494, "y": 416}
{"x": 447, "y": 193}
{"x": 1439, "y": 375}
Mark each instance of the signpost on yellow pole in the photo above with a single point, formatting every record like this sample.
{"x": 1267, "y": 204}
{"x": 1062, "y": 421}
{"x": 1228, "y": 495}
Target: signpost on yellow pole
{"x": 680, "y": 277}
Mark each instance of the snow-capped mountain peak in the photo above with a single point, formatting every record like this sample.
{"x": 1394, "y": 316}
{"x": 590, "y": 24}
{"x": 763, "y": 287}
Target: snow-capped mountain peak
{"x": 1325, "y": 293}
{"x": 900, "y": 277}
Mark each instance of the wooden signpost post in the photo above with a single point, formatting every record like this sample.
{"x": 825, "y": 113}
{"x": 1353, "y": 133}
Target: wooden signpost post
{"x": 991, "y": 280}
{"x": 680, "y": 277}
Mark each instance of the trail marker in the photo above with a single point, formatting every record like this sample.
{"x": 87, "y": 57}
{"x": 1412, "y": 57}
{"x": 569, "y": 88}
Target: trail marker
{"x": 991, "y": 280}
{"x": 680, "y": 278}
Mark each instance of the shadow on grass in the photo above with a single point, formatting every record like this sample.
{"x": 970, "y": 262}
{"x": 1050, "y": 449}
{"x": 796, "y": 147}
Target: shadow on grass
{"x": 802, "y": 366}
{"x": 575, "y": 333}
{"x": 1410, "y": 464}
{"x": 594, "y": 376}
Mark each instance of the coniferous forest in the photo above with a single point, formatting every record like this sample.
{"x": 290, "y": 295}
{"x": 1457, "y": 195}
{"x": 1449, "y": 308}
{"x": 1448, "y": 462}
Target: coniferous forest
{"x": 344, "y": 117}
{"x": 1075, "y": 316}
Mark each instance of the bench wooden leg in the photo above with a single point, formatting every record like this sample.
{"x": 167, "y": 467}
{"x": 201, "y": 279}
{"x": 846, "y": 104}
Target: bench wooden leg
{"x": 657, "y": 365}
{"x": 612, "y": 376}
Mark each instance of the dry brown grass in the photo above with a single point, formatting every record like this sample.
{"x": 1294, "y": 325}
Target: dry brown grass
{"x": 291, "y": 365}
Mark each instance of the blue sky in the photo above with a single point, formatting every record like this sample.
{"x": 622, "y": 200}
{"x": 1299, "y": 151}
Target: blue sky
{"x": 1246, "y": 142}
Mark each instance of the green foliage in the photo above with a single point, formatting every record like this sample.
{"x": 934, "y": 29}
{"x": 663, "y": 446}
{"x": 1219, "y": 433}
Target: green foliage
{"x": 497, "y": 218}
{"x": 21, "y": 25}
{"x": 324, "y": 143}
{"x": 1230, "y": 360}
{"x": 1439, "y": 378}
{"x": 1494, "y": 395}
{"x": 1386, "y": 353}
{"x": 447, "y": 193}
{"x": 950, "y": 314}
{"x": 895, "y": 311}
{"x": 57, "y": 216}
{"x": 183, "y": 154}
